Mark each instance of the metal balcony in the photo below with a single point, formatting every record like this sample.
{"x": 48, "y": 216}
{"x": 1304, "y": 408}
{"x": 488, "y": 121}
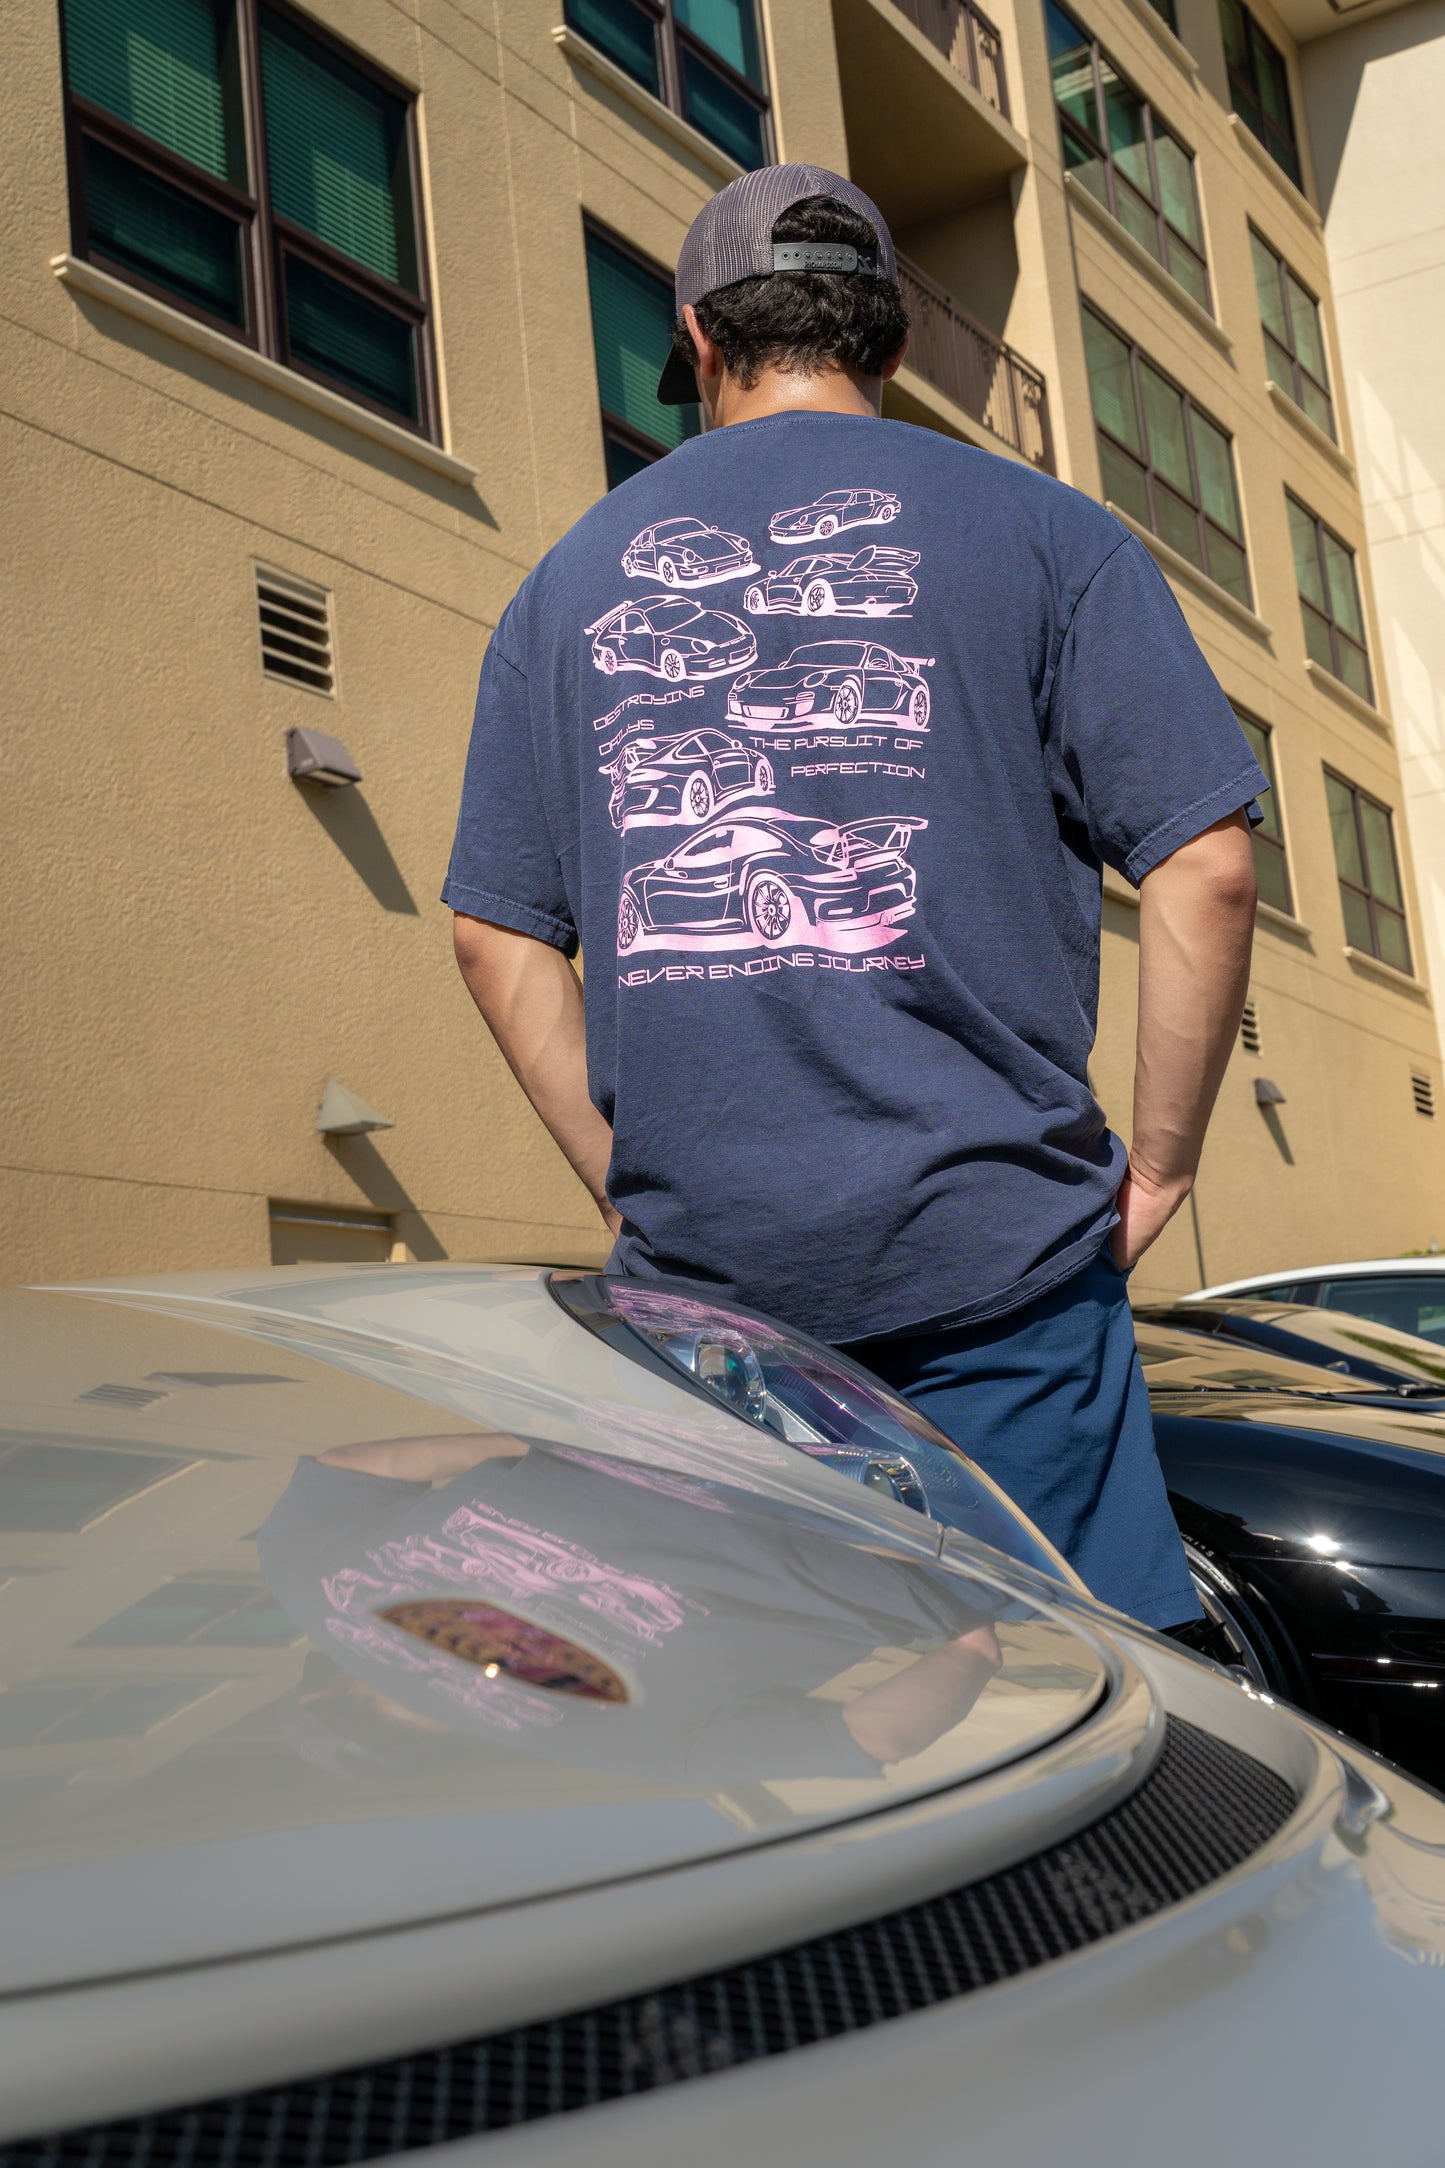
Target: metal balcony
{"x": 975, "y": 370}
{"x": 967, "y": 40}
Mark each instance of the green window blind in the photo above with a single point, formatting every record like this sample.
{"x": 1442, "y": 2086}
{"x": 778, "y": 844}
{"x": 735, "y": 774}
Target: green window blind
{"x": 730, "y": 27}
{"x": 631, "y": 331}
{"x": 157, "y": 64}
{"x": 164, "y": 235}
{"x": 335, "y": 143}
{"x": 341, "y": 333}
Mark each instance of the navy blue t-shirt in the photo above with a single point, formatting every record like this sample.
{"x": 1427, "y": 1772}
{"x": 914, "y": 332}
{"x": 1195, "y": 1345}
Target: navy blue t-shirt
{"x": 816, "y": 735}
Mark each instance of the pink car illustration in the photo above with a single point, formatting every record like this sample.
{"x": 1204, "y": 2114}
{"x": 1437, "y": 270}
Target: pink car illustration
{"x": 671, "y": 637}
{"x": 834, "y": 681}
{"x": 774, "y": 876}
{"x": 657, "y": 781}
{"x": 872, "y": 582}
{"x": 688, "y": 553}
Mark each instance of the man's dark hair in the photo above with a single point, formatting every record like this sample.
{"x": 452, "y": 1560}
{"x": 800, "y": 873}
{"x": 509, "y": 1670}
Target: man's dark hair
{"x": 804, "y": 321}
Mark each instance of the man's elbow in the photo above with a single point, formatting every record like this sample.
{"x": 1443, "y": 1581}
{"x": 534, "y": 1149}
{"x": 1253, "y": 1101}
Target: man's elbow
{"x": 1219, "y": 865}
{"x": 469, "y": 942}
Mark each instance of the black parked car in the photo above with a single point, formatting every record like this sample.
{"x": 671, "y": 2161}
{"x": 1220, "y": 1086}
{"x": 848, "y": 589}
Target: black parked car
{"x": 1305, "y": 1458}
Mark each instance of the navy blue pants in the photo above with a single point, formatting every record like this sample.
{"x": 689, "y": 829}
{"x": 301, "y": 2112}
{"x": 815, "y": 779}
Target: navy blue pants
{"x": 1050, "y": 1400}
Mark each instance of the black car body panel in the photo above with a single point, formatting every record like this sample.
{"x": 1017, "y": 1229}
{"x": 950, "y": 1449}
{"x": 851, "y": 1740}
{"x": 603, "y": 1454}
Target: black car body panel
{"x": 1321, "y": 1501}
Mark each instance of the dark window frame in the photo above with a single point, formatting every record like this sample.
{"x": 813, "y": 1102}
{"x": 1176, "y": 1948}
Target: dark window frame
{"x": 1274, "y": 847}
{"x": 1299, "y": 374}
{"x": 1153, "y": 480}
{"x": 1374, "y": 904}
{"x": 626, "y": 435}
{"x": 1097, "y": 146}
{"x": 265, "y": 237}
{"x": 1326, "y": 617}
{"x": 673, "y": 43}
{"x": 1244, "y": 85}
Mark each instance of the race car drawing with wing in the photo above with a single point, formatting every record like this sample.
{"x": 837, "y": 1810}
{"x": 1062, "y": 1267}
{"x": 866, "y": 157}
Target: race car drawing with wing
{"x": 671, "y": 637}
{"x": 835, "y": 509}
{"x": 766, "y": 879}
{"x": 873, "y": 582}
{"x": 833, "y": 681}
{"x": 660, "y": 781}
{"x": 688, "y": 553}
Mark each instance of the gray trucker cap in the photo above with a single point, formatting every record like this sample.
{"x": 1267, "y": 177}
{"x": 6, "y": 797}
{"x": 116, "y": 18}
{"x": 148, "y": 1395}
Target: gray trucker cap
{"x": 732, "y": 238}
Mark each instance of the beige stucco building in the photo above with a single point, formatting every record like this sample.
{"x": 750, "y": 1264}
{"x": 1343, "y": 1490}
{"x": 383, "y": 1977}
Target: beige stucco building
{"x": 320, "y": 327}
{"x": 1372, "y": 86}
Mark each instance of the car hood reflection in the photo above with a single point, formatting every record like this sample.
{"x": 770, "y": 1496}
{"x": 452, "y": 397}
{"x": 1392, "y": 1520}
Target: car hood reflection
{"x": 467, "y": 1664}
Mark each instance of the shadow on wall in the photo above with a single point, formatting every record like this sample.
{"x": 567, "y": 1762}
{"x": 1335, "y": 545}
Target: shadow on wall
{"x": 351, "y": 825}
{"x": 1275, "y": 1127}
{"x": 363, "y": 1164}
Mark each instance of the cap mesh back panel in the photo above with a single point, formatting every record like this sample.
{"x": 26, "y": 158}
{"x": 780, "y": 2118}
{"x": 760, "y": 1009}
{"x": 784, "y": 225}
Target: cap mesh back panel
{"x": 1204, "y": 1808}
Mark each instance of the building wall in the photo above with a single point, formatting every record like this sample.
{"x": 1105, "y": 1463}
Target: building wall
{"x": 1374, "y": 92}
{"x": 198, "y": 944}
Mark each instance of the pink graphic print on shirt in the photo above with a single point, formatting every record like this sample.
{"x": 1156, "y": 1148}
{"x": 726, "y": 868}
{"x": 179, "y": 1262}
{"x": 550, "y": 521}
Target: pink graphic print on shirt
{"x": 748, "y": 872}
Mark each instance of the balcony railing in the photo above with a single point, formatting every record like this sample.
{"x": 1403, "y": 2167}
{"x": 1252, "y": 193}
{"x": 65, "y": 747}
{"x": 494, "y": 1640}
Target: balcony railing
{"x": 967, "y": 40}
{"x": 976, "y": 370}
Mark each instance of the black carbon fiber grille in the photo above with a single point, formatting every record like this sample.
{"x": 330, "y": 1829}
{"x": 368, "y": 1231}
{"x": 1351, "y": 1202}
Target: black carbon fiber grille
{"x": 1205, "y": 1808}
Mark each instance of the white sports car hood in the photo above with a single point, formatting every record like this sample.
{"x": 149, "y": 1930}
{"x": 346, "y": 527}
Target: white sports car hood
{"x": 352, "y": 1599}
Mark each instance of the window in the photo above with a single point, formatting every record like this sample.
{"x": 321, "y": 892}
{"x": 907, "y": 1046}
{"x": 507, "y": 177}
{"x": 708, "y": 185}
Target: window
{"x": 1413, "y": 1302}
{"x": 632, "y": 308}
{"x": 703, "y": 58}
{"x": 1164, "y": 461}
{"x": 63, "y": 1488}
{"x": 199, "y": 1608}
{"x": 1116, "y": 146}
{"x": 71, "y": 1712}
{"x": 1259, "y": 86}
{"x": 1369, "y": 871}
{"x": 1270, "y": 864}
{"x": 176, "y": 109}
{"x": 1329, "y": 596}
{"x": 1294, "y": 345}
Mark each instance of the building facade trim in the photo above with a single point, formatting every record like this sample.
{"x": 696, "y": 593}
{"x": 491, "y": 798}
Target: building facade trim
{"x": 661, "y": 116}
{"x": 1309, "y": 429}
{"x": 1298, "y": 201}
{"x": 1394, "y": 977}
{"x": 88, "y": 278}
{"x": 1172, "y": 43}
{"x": 1120, "y": 237}
{"x": 1347, "y": 697}
{"x": 1177, "y": 565}
{"x": 1269, "y": 914}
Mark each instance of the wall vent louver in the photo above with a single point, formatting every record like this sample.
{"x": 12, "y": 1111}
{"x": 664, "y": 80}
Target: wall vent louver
{"x": 1424, "y": 1094}
{"x": 122, "y": 1396}
{"x": 1249, "y": 1037}
{"x": 295, "y": 625}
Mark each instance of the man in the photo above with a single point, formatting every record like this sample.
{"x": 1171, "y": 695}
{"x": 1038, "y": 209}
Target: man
{"x": 818, "y": 734}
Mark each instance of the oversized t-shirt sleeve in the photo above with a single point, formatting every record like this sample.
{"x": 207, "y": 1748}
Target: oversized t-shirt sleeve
{"x": 1142, "y": 748}
{"x": 504, "y": 864}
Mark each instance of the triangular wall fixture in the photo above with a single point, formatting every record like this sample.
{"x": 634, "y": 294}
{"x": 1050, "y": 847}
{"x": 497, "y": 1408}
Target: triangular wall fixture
{"x": 342, "y": 1114}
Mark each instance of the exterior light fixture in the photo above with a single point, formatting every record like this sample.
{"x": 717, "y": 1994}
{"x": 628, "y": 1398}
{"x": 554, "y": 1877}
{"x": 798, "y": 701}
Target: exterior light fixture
{"x": 1267, "y": 1093}
{"x": 312, "y": 757}
{"x": 342, "y": 1114}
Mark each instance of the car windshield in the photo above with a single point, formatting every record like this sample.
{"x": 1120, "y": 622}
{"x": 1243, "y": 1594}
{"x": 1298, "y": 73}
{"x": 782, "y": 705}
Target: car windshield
{"x": 1411, "y": 1302}
{"x": 1353, "y": 1347}
{"x": 671, "y": 616}
{"x": 829, "y": 654}
{"x": 1198, "y": 1362}
{"x": 673, "y": 530}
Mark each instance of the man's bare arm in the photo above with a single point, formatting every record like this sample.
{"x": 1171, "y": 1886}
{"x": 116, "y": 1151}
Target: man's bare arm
{"x": 531, "y": 1001}
{"x": 1196, "y": 928}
